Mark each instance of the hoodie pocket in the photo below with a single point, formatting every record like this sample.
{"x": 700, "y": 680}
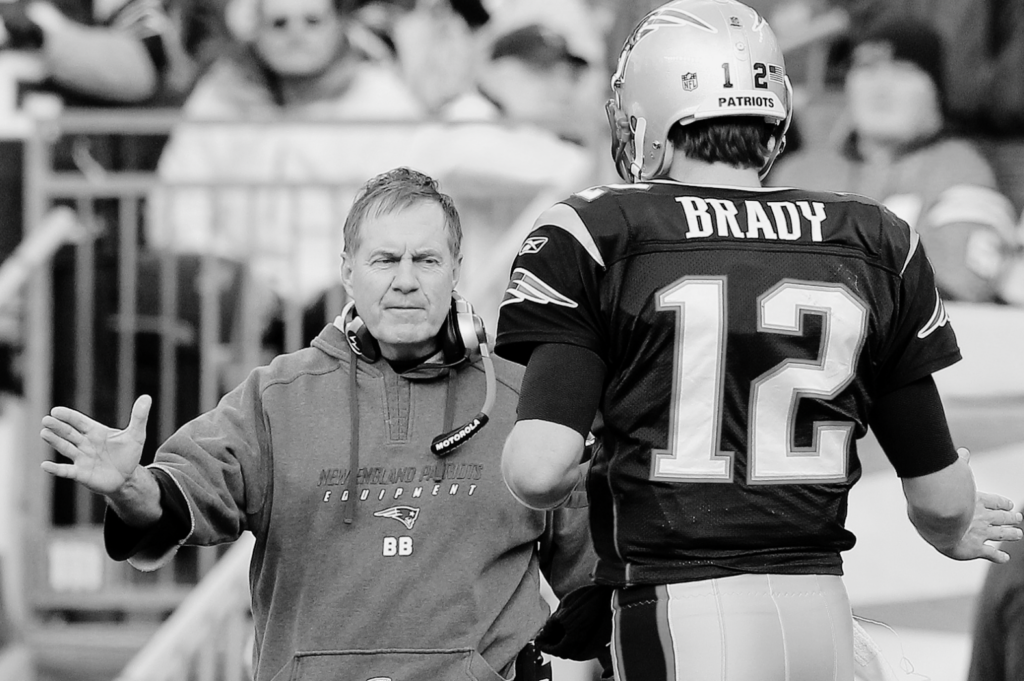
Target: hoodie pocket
{"x": 392, "y": 665}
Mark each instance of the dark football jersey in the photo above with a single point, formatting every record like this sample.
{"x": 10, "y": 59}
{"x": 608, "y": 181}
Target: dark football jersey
{"x": 746, "y": 333}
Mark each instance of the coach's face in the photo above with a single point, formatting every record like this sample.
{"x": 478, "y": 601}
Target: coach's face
{"x": 401, "y": 276}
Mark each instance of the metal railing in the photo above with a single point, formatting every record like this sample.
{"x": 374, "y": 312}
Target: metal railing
{"x": 209, "y": 636}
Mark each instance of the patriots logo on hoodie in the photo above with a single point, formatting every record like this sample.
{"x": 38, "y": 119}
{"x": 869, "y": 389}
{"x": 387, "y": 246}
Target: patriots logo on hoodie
{"x": 406, "y": 515}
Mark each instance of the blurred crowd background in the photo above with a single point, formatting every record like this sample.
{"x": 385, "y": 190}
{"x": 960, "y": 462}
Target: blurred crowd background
{"x": 174, "y": 175}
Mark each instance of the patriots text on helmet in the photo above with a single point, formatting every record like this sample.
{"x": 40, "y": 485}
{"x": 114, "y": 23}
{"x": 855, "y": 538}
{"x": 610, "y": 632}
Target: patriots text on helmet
{"x": 767, "y": 102}
{"x": 766, "y": 220}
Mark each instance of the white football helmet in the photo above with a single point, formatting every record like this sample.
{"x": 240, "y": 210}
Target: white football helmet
{"x": 690, "y": 60}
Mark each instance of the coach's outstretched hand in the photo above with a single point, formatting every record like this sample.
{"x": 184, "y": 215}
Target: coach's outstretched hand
{"x": 994, "y": 520}
{"x": 103, "y": 459}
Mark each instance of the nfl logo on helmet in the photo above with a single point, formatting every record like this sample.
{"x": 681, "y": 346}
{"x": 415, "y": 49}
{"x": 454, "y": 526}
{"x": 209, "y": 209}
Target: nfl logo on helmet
{"x": 689, "y": 81}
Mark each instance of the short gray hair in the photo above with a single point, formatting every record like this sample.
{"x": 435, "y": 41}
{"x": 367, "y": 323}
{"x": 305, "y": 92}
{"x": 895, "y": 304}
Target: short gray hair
{"x": 395, "y": 189}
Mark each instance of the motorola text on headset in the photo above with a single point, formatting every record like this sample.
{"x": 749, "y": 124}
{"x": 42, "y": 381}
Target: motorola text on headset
{"x": 462, "y": 338}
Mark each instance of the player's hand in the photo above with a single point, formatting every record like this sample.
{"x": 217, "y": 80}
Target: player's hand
{"x": 102, "y": 458}
{"x": 994, "y": 521}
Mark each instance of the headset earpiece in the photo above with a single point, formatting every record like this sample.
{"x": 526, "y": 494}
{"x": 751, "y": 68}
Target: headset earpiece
{"x": 463, "y": 331}
{"x": 357, "y": 335}
{"x": 461, "y": 334}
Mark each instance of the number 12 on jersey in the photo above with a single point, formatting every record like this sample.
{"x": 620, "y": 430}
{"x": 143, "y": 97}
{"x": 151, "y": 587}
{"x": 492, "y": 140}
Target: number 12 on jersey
{"x": 698, "y": 373}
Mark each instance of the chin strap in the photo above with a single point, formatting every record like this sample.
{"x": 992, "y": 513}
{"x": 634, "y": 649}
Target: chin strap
{"x": 780, "y": 138}
{"x": 636, "y": 168}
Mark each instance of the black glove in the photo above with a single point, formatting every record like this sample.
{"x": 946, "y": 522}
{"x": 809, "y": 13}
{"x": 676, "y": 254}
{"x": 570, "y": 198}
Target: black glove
{"x": 581, "y": 627}
{"x": 530, "y": 665}
{"x": 22, "y": 32}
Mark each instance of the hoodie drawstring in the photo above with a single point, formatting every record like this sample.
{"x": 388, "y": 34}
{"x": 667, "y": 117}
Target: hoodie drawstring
{"x": 353, "y": 437}
{"x": 449, "y": 419}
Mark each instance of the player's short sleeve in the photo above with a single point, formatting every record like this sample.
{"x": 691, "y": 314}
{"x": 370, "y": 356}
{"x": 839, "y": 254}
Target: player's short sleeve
{"x": 553, "y": 294}
{"x": 921, "y": 339}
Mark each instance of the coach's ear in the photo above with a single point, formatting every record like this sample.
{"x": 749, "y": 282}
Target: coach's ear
{"x": 456, "y": 270}
{"x": 346, "y": 274}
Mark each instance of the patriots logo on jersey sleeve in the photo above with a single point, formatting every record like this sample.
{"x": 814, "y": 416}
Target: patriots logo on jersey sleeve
{"x": 938, "y": 319}
{"x": 406, "y": 515}
{"x": 525, "y": 285}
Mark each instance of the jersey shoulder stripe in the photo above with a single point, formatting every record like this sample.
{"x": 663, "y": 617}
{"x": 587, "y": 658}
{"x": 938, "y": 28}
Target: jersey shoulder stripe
{"x": 915, "y": 240}
{"x": 564, "y": 217}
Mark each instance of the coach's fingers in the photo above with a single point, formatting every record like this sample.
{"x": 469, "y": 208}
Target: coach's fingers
{"x": 140, "y": 415}
{"x": 60, "y": 444}
{"x": 63, "y": 430}
{"x": 75, "y": 419}
{"x": 60, "y": 470}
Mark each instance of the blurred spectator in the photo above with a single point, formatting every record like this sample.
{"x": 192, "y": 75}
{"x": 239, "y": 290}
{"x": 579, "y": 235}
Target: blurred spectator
{"x": 142, "y": 51}
{"x": 432, "y": 43}
{"x": 299, "y": 61}
{"x": 897, "y": 150}
{"x": 532, "y": 75}
{"x": 544, "y": 61}
{"x": 985, "y": 40}
{"x": 299, "y": 67}
{"x": 985, "y": 46}
{"x": 998, "y": 649}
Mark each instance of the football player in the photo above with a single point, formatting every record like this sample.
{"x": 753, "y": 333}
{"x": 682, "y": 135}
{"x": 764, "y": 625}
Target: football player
{"x": 735, "y": 341}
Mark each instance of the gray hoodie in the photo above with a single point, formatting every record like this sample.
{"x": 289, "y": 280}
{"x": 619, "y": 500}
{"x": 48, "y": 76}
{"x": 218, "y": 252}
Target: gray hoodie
{"x": 437, "y": 575}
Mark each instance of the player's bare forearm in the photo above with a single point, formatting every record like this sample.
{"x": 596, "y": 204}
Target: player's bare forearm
{"x": 943, "y": 533}
{"x": 959, "y": 521}
{"x": 993, "y": 520}
{"x": 540, "y": 463}
{"x": 551, "y": 496}
{"x": 941, "y": 504}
